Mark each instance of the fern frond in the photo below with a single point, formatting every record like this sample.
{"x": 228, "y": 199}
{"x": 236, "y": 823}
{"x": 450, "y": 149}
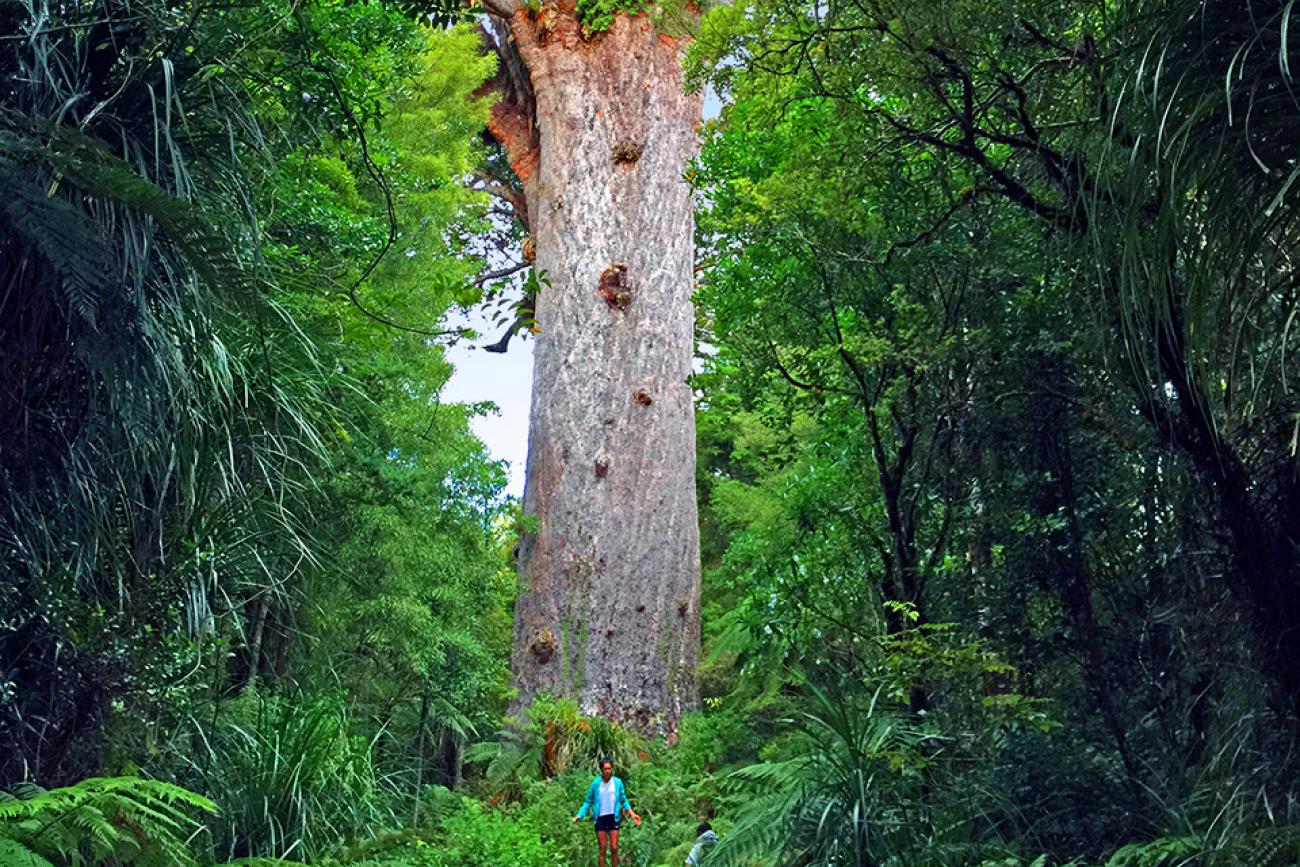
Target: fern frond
{"x": 1268, "y": 847}
{"x": 124, "y": 820}
{"x": 15, "y": 854}
{"x": 1160, "y": 852}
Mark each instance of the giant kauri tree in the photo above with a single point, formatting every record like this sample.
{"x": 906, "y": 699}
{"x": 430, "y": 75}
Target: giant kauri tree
{"x": 598, "y": 129}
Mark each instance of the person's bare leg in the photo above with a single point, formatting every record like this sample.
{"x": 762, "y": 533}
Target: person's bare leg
{"x": 603, "y": 838}
{"x": 613, "y": 845}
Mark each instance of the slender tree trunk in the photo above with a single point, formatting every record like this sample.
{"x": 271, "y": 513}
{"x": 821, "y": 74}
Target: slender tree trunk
{"x": 1076, "y": 593}
{"x": 608, "y": 611}
{"x": 253, "y": 653}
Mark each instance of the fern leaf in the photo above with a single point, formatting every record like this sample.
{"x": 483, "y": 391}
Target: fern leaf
{"x": 15, "y": 854}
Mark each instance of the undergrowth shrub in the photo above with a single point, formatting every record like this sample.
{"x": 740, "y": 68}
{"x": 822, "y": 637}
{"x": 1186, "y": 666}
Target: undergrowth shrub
{"x": 536, "y": 779}
{"x": 555, "y": 739}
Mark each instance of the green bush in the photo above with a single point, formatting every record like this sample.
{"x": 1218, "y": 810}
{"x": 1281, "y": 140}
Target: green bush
{"x": 708, "y": 741}
{"x": 472, "y": 834}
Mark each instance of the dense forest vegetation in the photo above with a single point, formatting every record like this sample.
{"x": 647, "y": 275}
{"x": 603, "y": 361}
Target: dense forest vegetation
{"x": 999, "y": 500}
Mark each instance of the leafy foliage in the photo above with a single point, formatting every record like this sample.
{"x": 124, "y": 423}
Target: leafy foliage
{"x": 202, "y": 375}
{"x": 293, "y": 780}
{"x": 828, "y": 802}
{"x": 597, "y": 15}
{"x": 557, "y": 739}
{"x": 103, "y": 820}
{"x": 947, "y": 383}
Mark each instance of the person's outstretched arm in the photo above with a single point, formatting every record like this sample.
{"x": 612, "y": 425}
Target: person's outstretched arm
{"x": 627, "y": 807}
{"x": 586, "y": 803}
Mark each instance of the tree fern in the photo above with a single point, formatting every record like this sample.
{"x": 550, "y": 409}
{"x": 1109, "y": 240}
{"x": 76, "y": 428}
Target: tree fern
{"x": 1268, "y": 847}
{"x": 841, "y": 799}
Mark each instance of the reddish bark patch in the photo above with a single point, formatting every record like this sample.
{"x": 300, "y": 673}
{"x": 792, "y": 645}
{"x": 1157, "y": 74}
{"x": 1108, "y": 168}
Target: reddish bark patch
{"x": 548, "y": 18}
{"x": 643, "y": 397}
{"x": 602, "y": 467}
{"x": 514, "y": 130}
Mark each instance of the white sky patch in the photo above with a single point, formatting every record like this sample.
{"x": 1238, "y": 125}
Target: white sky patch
{"x": 504, "y": 379}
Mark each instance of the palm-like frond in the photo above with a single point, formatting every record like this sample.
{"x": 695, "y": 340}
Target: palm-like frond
{"x": 1195, "y": 225}
{"x": 841, "y": 799}
{"x": 106, "y": 820}
{"x": 1200, "y": 145}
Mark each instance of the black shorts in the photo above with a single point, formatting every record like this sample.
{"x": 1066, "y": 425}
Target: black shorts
{"x": 607, "y": 822}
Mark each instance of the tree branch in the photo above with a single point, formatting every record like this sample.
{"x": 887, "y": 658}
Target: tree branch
{"x": 489, "y": 276}
{"x": 501, "y": 8}
{"x": 511, "y": 196}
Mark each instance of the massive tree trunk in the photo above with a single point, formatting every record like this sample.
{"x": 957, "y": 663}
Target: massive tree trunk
{"x": 600, "y": 131}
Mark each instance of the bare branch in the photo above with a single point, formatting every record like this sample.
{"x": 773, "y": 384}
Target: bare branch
{"x": 501, "y": 8}
{"x": 489, "y": 276}
{"x": 504, "y": 343}
{"x": 511, "y": 196}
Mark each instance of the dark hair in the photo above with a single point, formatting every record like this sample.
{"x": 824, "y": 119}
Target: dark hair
{"x": 702, "y": 827}
{"x": 605, "y": 761}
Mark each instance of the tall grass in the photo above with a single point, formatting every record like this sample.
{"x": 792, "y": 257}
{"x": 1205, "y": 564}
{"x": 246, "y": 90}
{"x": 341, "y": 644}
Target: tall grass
{"x": 292, "y": 778}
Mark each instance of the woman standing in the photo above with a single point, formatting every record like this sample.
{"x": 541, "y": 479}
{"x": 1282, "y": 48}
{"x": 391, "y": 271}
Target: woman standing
{"x": 607, "y": 802}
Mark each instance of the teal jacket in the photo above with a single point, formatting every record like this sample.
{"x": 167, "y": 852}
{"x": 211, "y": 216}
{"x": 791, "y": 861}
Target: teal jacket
{"x": 592, "y": 802}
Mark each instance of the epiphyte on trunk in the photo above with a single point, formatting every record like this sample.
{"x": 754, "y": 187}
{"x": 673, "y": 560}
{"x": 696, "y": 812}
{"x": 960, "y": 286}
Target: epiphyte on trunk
{"x": 627, "y": 152}
{"x": 544, "y": 644}
{"x": 614, "y": 286}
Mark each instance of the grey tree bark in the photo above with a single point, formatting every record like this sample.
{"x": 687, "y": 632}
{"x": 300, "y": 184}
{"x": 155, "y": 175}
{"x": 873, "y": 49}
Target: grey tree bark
{"x": 600, "y": 131}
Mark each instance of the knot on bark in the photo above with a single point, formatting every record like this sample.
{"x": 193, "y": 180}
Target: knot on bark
{"x": 602, "y": 467}
{"x": 627, "y": 152}
{"x": 643, "y": 397}
{"x": 614, "y": 288}
{"x": 543, "y": 646}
